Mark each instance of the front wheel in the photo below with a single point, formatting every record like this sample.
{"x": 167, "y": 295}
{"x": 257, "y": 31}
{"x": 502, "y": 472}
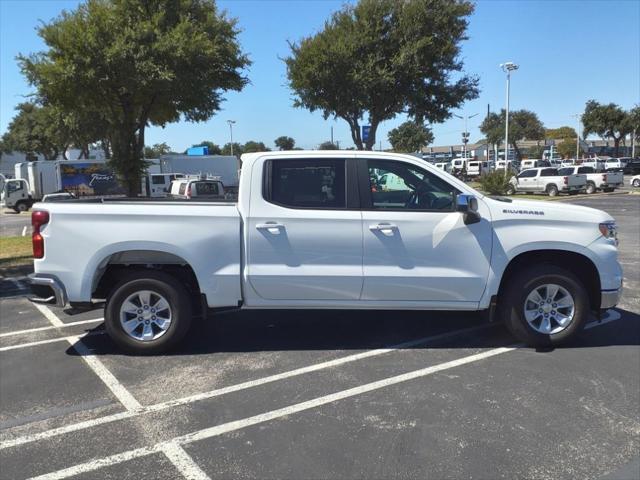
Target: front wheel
{"x": 544, "y": 306}
{"x": 511, "y": 190}
{"x": 148, "y": 312}
{"x": 21, "y": 207}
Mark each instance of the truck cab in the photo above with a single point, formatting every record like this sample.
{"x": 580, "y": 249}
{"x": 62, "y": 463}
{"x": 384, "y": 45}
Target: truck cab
{"x": 15, "y": 194}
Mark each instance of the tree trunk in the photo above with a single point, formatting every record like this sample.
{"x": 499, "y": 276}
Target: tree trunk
{"x": 517, "y": 150}
{"x": 616, "y": 144}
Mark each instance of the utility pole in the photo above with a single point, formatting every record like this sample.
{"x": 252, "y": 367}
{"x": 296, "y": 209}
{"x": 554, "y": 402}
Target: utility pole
{"x": 465, "y": 134}
{"x": 633, "y": 144}
{"x": 231, "y": 122}
{"x": 578, "y": 117}
{"x": 332, "y": 134}
{"x": 507, "y": 67}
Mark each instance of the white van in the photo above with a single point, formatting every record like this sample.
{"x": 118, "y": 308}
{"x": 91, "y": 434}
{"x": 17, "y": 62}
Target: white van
{"x": 197, "y": 189}
{"x": 446, "y": 166}
{"x": 598, "y": 164}
{"x": 534, "y": 163}
{"x": 475, "y": 168}
{"x": 159, "y": 184}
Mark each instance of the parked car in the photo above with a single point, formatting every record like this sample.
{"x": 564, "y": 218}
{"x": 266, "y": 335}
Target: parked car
{"x": 476, "y": 168}
{"x": 158, "y": 185}
{"x": 598, "y": 164}
{"x": 615, "y": 164}
{"x": 606, "y": 182}
{"x": 306, "y": 234}
{"x": 635, "y": 181}
{"x": 546, "y": 180}
{"x": 55, "y": 197}
{"x": 632, "y": 166}
{"x": 534, "y": 163}
{"x": 446, "y": 166}
{"x": 197, "y": 189}
{"x": 569, "y": 162}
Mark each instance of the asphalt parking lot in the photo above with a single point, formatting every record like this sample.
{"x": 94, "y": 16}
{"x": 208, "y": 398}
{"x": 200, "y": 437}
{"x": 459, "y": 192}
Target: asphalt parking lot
{"x": 337, "y": 394}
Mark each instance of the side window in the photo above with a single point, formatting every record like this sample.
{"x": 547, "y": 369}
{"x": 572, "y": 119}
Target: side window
{"x": 183, "y": 188}
{"x": 397, "y": 185}
{"x": 306, "y": 183}
{"x": 586, "y": 170}
{"x": 206, "y": 188}
{"x": 528, "y": 174}
{"x": 548, "y": 172}
{"x": 157, "y": 179}
{"x": 14, "y": 187}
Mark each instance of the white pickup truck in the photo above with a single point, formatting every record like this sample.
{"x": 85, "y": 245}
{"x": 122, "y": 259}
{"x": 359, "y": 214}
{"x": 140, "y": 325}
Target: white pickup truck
{"x": 607, "y": 182}
{"x": 317, "y": 230}
{"x": 546, "y": 180}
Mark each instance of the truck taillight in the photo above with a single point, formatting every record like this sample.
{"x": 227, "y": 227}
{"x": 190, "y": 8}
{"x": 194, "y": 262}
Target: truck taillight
{"x": 604, "y": 177}
{"x": 189, "y": 191}
{"x": 38, "y": 219}
{"x": 566, "y": 180}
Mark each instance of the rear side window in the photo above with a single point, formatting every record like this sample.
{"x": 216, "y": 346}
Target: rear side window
{"x": 548, "y": 172}
{"x": 567, "y": 171}
{"x": 306, "y": 183}
{"x": 206, "y": 188}
{"x": 586, "y": 170}
{"x": 183, "y": 187}
{"x": 528, "y": 174}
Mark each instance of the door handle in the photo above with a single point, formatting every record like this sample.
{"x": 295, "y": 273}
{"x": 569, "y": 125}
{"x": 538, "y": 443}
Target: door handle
{"x": 273, "y": 227}
{"x": 385, "y": 228}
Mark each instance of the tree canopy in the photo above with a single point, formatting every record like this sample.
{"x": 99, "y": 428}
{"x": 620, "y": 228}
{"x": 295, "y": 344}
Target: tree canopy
{"x": 560, "y": 133}
{"x": 253, "y": 146}
{"x": 378, "y": 58}
{"x": 157, "y": 150}
{"x": 285, "y": 143}
{"x": 139, "y": 62}
{"x": 606, "y": 121}
{"x": 523, "y": 124}
{"x": 410, "y": 137}
{"x": 237, "y": 149}
{"x": 567, "y": 148}
{"x": 212, "y": 148}
{"x": 327, "y": 146}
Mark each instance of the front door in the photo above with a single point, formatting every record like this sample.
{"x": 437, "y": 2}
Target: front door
{"x": 305, "y": 234}
{"x": 416, "y": 246}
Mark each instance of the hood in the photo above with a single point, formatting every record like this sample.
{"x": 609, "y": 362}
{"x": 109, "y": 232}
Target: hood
{"x": 540, "y": 210}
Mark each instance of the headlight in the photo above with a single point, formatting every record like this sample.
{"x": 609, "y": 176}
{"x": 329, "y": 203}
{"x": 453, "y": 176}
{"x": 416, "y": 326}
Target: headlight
{"x": 609, "y": 230}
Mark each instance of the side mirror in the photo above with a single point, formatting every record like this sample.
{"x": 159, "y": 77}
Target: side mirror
{"x": 468, "y": 206}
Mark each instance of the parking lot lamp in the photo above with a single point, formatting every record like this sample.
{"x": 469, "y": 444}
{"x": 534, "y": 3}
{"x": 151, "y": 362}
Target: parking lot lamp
{"x": 507, "y": 67}
{"x": 578, "y": 117}
{"x": 231, "y": 122}
{"x": 465, "y": 134}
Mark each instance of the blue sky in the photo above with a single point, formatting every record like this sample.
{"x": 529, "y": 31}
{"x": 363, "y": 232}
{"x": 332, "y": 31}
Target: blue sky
{"x": 568, "y": 52}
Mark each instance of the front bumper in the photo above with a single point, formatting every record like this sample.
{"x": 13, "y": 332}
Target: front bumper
{"x": 47, "y": 290}
{"x": 610, "y": 298}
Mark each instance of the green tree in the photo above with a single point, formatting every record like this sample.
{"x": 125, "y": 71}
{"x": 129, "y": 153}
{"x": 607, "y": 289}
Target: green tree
{"x": 141, "y": 62}
{"x": 606, "y": 121}
{"x": 633, "y": 120}
{"x": 237, "y": 149}
{"x": 567, "y": 148}
{"x": 37, "y": 130}
{"x": 410, "y": 137}
{"x": 327, "y": 146}
{"x": 157, "y": 150}
{"x": 252, "y": 146}
{"x": 378, "y": 58}
{"x": 560, "y": 133}
{"x": 212, "y": 148}
{"x": 285, "y": 143}
{"x": 523, "y": 124}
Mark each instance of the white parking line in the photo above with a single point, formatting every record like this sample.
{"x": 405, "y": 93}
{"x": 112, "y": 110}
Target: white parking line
{"x": 51, "y": 327}
{"x": 44, "y": 342}
{"x": 271, "y": 415}
{"x": 49, "y": 315}
{"x": 233, "y": 388}
{"x": 183, "y": 462}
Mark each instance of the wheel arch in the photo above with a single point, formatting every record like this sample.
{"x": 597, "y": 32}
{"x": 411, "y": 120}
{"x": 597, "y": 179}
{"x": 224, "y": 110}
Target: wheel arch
{"x": 577, "y": 263}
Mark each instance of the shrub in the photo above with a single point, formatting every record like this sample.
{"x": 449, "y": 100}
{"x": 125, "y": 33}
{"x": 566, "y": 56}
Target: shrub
{"x": 495, "y": 183}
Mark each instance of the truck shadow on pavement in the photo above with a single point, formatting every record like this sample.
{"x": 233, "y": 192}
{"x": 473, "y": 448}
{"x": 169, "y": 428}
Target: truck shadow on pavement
{"x": 256, "y": 331}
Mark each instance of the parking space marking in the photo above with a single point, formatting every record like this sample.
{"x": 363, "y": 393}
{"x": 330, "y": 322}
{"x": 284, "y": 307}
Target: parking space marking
{"x": 271, "y": 415}
{"x": 49, "y": 315}
{"x": 183, "y": 462}
{"x": 112, "y": 383}
{"x": 44, "y": 342}
{"x": 233, "y": 388}
{"x": 51, "y": 327}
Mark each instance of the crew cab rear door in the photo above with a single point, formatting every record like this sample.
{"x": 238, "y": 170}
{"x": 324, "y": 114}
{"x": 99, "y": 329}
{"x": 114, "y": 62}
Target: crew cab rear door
{"x": 304, "y": 230}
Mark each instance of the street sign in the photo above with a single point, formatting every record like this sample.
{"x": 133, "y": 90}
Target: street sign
{"x": 365, "y": 132}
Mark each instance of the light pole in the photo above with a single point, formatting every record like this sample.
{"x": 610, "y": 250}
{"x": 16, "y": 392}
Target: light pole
{"x": 507, "y": 67}
{"x": 578, "y": 117}
{"x": 465, "y": 134}
{"x": 231, "y": 122}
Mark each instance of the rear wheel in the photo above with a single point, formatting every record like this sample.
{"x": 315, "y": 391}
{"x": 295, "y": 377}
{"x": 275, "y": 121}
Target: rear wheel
{"x": 552, "y": 190}
{"x": 544, "y": 306}
{"x": 148, "y": 312}
{"x": 591, "y": 188}
{"x": 636, "y": 182}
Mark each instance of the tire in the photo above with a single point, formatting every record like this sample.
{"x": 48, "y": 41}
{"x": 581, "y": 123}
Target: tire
{"x": 511, "y": 190}
{"x": 158, "y": 286}
{"x": 636, "y": 183}
{"x": 517, "y": 296}
{"x": 552, "y": 190}
{"x": 591, "y": 188}
{"x": 21, "y": 207}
